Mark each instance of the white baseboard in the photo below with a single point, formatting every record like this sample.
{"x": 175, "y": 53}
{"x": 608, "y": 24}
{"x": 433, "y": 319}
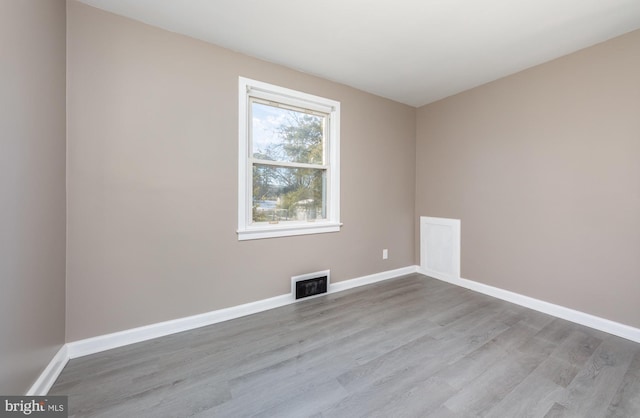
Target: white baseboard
{"x": 118, "y": 339}
{"x": 592, "y": 321}
{"x": 48, "y": 377}
{"x": 135, "y": 335}
{"x": 372, "y": 278}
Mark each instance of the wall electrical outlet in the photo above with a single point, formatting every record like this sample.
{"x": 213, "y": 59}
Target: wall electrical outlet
{"x": 385, "y": 254}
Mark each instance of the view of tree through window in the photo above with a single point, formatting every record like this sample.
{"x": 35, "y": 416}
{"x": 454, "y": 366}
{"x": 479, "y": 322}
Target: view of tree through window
{"x": 289, "y": 172}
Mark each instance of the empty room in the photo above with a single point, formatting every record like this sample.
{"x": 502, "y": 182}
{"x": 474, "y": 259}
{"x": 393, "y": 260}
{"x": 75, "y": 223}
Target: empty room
{"x": 233, "y": 208}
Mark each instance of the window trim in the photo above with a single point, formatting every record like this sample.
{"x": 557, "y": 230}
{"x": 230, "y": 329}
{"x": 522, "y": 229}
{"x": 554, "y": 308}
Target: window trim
{"x": 246, "y": 229}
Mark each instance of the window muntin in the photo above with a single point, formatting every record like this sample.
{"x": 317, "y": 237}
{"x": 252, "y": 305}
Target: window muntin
{"x": 289, "y": 162}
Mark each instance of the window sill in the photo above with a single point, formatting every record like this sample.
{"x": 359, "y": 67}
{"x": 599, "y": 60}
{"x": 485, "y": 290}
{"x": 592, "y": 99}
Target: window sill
{"x": 275, "y": 231}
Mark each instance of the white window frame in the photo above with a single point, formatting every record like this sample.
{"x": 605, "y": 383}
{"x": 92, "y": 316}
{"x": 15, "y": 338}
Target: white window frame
{"x": 247, "y": 229}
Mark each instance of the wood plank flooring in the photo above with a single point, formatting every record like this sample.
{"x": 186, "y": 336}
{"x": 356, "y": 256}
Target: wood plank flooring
{"x": 407, "y": 347}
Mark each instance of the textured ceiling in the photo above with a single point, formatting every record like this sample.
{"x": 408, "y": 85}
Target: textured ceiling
{"x": 411, "y": 51}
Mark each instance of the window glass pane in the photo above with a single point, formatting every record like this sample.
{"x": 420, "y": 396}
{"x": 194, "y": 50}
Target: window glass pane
{"x": 288, "y": 194}
{"x": 281, "y": 134}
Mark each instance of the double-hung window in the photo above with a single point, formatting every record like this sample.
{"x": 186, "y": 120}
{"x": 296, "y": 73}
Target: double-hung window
{"x": 289, "y": 179}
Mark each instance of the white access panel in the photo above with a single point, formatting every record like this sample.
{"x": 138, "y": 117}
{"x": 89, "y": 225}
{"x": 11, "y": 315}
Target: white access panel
{"x": 440, "y": 247}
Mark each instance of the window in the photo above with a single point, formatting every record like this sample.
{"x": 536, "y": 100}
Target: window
{"x": 289, "y": 178}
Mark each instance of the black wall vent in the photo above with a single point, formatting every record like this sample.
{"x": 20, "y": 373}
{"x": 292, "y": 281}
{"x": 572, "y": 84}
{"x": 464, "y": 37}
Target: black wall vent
{"x": 311, "y": 287}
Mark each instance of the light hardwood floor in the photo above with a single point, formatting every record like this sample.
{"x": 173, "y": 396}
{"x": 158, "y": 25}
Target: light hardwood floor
{"x": 407, "y": 347}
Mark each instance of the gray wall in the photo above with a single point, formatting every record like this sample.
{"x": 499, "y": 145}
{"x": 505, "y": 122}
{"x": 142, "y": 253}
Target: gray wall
{"x": 543, "y": 169}
{"x": 32, "y": 183}
{"x": 152, "y": 191}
